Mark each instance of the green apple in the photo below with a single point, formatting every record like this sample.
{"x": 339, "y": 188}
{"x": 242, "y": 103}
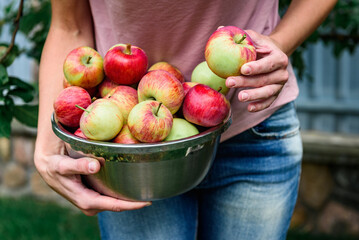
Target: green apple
{"x": 203, "y": 74}
{"x": 181, "y": 129}
{"x": 101, "y": 120}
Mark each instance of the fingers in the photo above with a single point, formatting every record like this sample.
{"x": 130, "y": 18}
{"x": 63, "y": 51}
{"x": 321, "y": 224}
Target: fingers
{"x": 101, "y": 203}
{"x": 267, "y": 64}
{"x": 70, "y": 166}
{"x": 261, "y": 105}
{"x": 276, "y": 77}
{"x": 260, "y": 93}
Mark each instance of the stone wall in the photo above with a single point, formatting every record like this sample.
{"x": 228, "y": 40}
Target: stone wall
{"x": 328, "y": 199}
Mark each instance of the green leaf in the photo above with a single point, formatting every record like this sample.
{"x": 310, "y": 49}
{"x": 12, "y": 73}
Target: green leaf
{"x": 4, "y": 78}
{"x": 9, "y": 59}
{"x": 24, "y": 94}
{"x": 20, "y": 84}
{"x": 6, "y": 115}
{"x": 27, "y": 114}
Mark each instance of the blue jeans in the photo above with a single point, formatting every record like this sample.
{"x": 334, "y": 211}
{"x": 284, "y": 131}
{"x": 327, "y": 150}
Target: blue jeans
{"x": 249, "y": 193}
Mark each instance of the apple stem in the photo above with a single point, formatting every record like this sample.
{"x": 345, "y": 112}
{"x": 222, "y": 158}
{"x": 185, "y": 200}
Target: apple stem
{"x": 159, "y": 106}
{"x": 242, "y": 38}
{"x": 82, "y": 108}
{"x": 93, "y": 99}
{"x": 88, "y": 60}
{"x": 219, "y": 89}
{"x": 127, "y": 49}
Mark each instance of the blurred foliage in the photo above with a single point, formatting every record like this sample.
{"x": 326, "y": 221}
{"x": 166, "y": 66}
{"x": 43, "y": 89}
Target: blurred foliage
{"x": 340, "y": 31}
{"x": 33, "y": 24}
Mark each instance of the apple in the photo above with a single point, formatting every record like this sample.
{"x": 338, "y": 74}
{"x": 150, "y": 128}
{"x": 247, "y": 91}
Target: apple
{"x": 106, "y": 86}
{"x": 227, "y": 49}
{"x": 125, "y": 136}
{"x": 181, "y": 129}
{"x": 65, "y": 103}
{"x": 203, "y": 74}
{"x": 79, "y": 133}
{"x": 205, "y": 106}
{"x": 83, "y": 67}
{"x": 187, "y": 86}
{"x": 150, "y": 121}
{"x": 163, "y": 87}
{"x": 125, "y": 97}
{"x": 125, "y": 64}
{"x": 169, "y": 68}
{"x": 102, "y": 120}
{"x": 92, "y": 91}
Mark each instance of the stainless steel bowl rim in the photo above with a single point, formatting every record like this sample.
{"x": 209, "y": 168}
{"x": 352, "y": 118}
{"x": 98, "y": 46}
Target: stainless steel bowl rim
{"x": 81, "y": 143}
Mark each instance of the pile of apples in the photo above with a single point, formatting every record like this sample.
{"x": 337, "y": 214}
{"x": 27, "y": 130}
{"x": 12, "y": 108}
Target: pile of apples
{"x": 119, "y": 99}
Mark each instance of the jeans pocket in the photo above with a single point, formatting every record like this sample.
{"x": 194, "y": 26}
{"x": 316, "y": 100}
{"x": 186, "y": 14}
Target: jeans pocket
{"x": 283, "y": 123}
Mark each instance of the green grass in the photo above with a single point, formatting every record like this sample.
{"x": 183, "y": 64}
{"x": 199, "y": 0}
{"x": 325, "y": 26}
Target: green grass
{"x": 28, "y": 218}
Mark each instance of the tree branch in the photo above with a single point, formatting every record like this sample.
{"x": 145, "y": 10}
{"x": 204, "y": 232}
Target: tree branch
{"x": 17, "y": 25}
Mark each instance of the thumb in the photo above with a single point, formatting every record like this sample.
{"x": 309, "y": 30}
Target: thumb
{"x": 70, "y": 166}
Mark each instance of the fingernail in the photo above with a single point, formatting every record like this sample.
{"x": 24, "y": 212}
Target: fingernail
{"x": 252, "y": 108}
{"x": 246, "y": 70}
{"x": 244, "y": 96}
{"x": 92, "y": 167}
{"x": 230, "y": 82}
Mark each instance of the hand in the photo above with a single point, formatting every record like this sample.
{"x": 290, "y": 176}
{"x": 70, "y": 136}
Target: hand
{"x": 263, "y": 78}
{"x": 62, "y": 174}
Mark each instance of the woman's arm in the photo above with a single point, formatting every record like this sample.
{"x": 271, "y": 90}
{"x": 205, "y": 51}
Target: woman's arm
{"x": 71, "y": 27}
{"x": 267, "y": 75}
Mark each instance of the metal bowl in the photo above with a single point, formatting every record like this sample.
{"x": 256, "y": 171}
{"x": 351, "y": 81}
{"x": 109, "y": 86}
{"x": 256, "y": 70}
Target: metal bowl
{"x": 146, "y": 171}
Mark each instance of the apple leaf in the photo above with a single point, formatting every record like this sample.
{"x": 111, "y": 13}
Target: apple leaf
{"x": 27, "y": 114}
{"x": 4, "y": 78}
{"x": 24, "y": 94}
{"x": 6, "y": 115}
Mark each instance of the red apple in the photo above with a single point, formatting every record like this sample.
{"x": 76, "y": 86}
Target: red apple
{"x": 65, "y": 105}
{"x": 187, "y": 86}
{"x": 79, "y": 133}
{"x": 169, "y": 68}
{"x": 92, "y": 91}
{"x": 150, "y": 121}
{"x": 125, "y": 97}
{"x": 102, "y": 120}
{"x": 125, "y": 64}
{"x": 105, "y": 87}
{"x": 227, "y": 50}
{"x": 163, "y": 87}
{"x": 205, "y": 106}
{"x": 83, "y": 67}
{"x": 125, "y": 136}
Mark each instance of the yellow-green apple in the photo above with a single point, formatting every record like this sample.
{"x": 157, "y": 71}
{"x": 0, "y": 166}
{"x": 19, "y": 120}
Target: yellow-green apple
{"x": 169, "y": 68}
{"x": 150, "y": 121}
{"x": 101, "y": 120}
{"x": 205, "y": 106}
{"x": 83, "y": 67}
{"x": 163, "y": 87}
{"x": 187, "y": 86}
{"x": 125, "y": 64}
{"x": 125, "y": 97}
{"x": 203, "y": 74}
{"x": 125, "y": 136}
{"x": 106, "y": 86}
{"x": 181, "y": 128}
{"x": 80, "y": 134}
{"x": 227, "y": 49}
{"x": 65, "y": 103}
{"x": 92, "y": 91}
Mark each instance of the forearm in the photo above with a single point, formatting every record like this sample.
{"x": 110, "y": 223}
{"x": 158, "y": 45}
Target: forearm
{"x": 300, "y": 20}
{"x": 62, "y": 38}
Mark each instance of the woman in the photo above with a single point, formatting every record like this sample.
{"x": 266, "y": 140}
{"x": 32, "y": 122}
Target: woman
{"x": 250, "y": 191}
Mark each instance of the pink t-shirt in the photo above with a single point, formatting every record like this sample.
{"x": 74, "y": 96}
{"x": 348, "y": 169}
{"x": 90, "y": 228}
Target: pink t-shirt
{"x": 177, "y": 32}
